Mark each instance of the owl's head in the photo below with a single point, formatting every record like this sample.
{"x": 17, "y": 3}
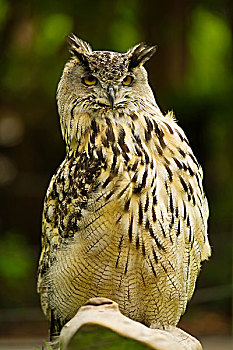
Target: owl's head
{"x": 95, "y": 84}
{"x": 103, "y": 79}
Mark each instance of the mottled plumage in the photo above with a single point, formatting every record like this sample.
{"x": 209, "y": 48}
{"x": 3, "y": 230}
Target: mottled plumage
{"x": 125, "y": 215}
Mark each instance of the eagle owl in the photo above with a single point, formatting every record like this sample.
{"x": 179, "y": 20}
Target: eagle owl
{"x": 125, "y": 215}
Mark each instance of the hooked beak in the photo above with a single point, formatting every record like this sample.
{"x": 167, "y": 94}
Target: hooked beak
{"x": 111, "y": 95}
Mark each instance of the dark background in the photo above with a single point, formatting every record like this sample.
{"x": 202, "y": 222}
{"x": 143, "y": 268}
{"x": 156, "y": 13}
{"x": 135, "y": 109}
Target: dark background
{"x": 191, "y": 73}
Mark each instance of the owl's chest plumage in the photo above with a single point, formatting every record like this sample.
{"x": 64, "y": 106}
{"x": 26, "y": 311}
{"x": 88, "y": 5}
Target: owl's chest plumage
{"x": 125, "y": 218}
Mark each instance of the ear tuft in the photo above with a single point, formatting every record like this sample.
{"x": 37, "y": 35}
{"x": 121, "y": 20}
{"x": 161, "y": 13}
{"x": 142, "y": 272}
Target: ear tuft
{"x": 79, "y": 48}
{"x": 78, "y": 44}
{"x": 139, "y": 54}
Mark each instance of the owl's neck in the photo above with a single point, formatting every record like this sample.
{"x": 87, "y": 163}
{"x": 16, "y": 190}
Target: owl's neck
{"x": 98, "y": 129}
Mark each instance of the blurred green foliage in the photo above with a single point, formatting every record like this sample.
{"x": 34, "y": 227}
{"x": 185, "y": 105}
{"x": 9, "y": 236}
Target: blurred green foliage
{"x": 52, "y": 31}
{"x": 17, "y": 270}
{"x": 125, "y": 25}
{"x": 210, "y": 46}
{"x": 3, "y": 13}
{"x": 191, "y": 73}
{"x": 15, "y": 262}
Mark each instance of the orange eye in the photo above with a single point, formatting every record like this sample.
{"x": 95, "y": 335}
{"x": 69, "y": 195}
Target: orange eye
{"x": 128, "y": 80}
{"x": 89, "y": 80}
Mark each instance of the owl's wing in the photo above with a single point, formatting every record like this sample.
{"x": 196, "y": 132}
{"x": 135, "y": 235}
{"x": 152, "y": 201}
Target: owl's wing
{"x": 180, "y": 184}
{"x": 173, "y": 207}
{"x": 64, "y": 207}
{"x": 164, "y": 208}
{"x": 48, "y": 239}
{"x": 57, "y": 221}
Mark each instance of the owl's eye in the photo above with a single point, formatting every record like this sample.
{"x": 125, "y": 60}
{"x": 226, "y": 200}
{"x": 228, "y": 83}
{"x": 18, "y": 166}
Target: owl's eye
{"x": 128, "y": 80}
{"x": 89, "y": 80}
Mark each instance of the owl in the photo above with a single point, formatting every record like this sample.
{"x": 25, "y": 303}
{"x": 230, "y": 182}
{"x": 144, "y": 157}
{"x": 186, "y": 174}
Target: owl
{"x": 125, "y": 214}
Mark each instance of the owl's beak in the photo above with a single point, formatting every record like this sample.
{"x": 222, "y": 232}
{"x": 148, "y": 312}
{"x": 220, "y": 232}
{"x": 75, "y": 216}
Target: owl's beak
{"x": 111, "y": 95}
